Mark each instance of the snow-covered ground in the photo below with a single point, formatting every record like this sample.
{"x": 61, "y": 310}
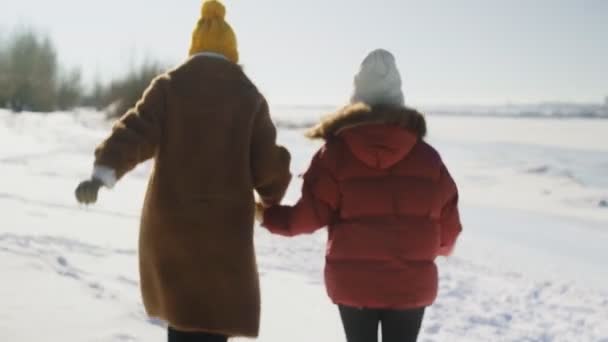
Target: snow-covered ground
{"x": 530, "y": 266}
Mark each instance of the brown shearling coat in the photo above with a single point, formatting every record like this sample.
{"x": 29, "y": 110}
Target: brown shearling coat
{"x": 210, "y": 133}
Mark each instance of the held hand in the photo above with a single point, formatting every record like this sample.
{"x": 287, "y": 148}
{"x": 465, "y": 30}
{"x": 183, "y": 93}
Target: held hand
{"x": 86, "y": 192}
{"x": 259, "y": 212}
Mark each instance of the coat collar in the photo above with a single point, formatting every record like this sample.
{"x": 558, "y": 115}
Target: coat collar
{"x": 210, "y": 54}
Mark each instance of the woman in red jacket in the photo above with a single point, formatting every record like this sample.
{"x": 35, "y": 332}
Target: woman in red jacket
{"x": 389, "y": 202}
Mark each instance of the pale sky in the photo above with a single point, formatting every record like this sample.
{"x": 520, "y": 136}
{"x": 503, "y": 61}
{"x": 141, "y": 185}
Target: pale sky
{"x": 306, "y": 52}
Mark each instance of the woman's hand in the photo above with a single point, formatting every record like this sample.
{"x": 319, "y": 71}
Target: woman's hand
{"x": 86, "y": 192}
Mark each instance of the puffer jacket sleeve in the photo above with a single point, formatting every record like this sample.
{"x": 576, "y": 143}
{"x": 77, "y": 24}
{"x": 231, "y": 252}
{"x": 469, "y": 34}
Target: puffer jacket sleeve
{"x": 450, "y": 217}
{"x": 315, "y": 209}
{"x": 269, "y": 162}
{"x": 135, "y": 136}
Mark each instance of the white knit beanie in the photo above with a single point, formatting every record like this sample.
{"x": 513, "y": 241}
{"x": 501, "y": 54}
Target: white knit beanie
{"x": 378, "y": 81}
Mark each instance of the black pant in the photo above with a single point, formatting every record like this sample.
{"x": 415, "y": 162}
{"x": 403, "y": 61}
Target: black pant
{"x": 180, "y": 336}
{"x": 361, "y": 325}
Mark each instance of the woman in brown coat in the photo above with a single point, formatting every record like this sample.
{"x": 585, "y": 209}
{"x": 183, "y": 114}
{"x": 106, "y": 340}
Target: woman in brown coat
{"x": 209, "y": 131}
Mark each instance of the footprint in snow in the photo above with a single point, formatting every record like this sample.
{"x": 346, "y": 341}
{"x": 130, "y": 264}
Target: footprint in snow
{"x": 123, "y": 338}
{"x": 433, "y": 329}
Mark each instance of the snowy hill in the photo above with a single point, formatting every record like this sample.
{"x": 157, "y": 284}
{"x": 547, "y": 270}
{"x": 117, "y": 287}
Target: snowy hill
{"x": 530, "y": 265}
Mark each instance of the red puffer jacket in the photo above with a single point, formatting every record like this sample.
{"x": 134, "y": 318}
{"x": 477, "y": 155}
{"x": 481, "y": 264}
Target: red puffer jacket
{"x": 389, "y": 202}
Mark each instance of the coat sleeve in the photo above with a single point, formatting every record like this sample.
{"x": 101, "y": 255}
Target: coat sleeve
{"x": 316, "y": 207}
{"x": 269, "y": 162}
{"x": 449, "y": 217}
{"x": 134, "y": 138}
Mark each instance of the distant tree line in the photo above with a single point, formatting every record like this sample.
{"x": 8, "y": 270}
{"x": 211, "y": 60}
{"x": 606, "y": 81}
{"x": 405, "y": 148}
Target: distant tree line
{"x": 31, "y": 79}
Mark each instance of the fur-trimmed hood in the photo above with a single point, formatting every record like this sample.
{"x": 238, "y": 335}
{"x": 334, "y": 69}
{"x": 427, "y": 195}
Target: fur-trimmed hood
{"x": 379, "y": 136}
{"x": 360, "y": 114}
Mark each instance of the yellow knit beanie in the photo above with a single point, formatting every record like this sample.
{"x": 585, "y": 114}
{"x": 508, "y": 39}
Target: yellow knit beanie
{"x": 213, "y": 34}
